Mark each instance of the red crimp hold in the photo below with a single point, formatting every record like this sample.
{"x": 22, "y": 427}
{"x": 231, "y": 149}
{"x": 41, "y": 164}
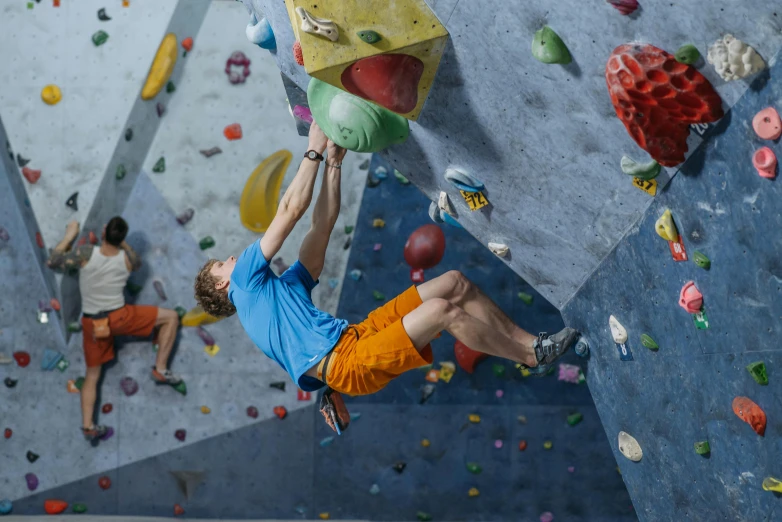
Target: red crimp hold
{"x": 280, "y": 412}
{"x": 93, "y": 238}
{"x": 187, "y": 44}
{"x": 233, "y": 132}
{"x": 658, "y": 98}
{"x": 7, "y": 433}
{"x": 237, "y": 59}
{"x": 304, "y": 396}
{"x": 55, "y": 304}
{"x": 298, "y": 55}
{"x": 22, "y": 358}
{"x": 31, "y": 175}
{"x": 39, "y": 239}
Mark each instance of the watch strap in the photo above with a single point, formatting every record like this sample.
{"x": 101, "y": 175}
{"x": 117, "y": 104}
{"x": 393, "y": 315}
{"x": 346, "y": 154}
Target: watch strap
{"x": 313, "y": 155}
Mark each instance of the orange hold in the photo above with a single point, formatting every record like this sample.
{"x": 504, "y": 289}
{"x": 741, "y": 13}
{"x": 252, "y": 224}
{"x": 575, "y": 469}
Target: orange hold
{"x": 39, "y": 239}
{"x": 233, "y": 131}
{"x": 750, "y": 413}
{"x": 93, "y": 238}
{"x": 522, "y": 445}
{"x": 31, "y": 175}
{"x": 467, "y": 358}
{"x": 298, "y": 55}
{"x": 658, "y": 98}
{"x": 54, "y": 507}
{"x": 178, "y": 510}
{"x": 280, "y": 411}
{"x": 187, "y": 44}
{"x": 55, "y": 304}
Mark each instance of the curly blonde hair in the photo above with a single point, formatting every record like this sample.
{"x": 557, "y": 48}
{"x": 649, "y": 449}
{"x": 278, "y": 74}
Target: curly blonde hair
{"x": 214, "y": 302}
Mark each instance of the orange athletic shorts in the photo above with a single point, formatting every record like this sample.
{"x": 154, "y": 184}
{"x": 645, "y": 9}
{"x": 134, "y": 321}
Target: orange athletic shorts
{"x": 365, "y": 363}
{"x": 128, "y": 320}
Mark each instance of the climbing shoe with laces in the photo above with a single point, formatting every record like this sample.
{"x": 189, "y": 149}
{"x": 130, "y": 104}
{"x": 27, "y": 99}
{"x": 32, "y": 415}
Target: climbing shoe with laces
{"x": 549, "y": 348}
{"x": 166, "y": 377}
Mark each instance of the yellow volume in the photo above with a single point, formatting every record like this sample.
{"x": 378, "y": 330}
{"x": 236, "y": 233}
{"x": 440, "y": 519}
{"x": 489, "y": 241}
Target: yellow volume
{"x": 162, "y": 67}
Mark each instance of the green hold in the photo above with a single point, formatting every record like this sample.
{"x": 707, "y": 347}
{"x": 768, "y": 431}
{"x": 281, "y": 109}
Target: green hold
{"x": 79, "y": 383}
{"x": 498, "y": 369}
{"x": 648, "y": 342}
{"x": 133, "y": 288}
{"x": 79, "y": 508}
{"x": 121, "y": 171}
{"x": 352, "y": 122}
{"x": 688, "y": 54}
{"x": 181, "y": 388}
{"x": 400, "y": 178}
{"x": 74, "y": 326}
{"x": 423, "y": 516}
{"x": 575, "y": 418}
{"x": 378, "y": 296}
{"x": 474, "y": 468}
{"x": 527, "y": 298}
{"x": 207, "y": 242}
{"x": 160, "y": 165}
{"x": 548, "y": 47}
{"x": 155, "y": 348}
{"x": 758, "y": 372}
{"x": 170, "y": 87}
{"x": 100, "y": 38}
{"x": 644, "y": 171}
{"x": 180, "y": 311}
{"x": 369, "y": 36}
{"x": 348, "y": 229}
{"x": 702, "y": 447}
{"x": 701, "y": 260}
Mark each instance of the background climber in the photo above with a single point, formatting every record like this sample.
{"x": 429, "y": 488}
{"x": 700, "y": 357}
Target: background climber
{"x": 316, "y": 348}
{"x": 104, "y": 273}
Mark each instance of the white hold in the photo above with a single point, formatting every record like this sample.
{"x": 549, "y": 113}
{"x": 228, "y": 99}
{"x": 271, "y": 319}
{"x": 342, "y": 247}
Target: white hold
{"x": 443, "y": 203}
{"x": 733, "y": 59}
{"x": 434, "y": 213}
{"x": 629, "y": 447}
{"x": 618, "y": 331}
{"x": 290, "y": 109}
{"x": 499, "y": 249}
{"x": 320, "y": 26}
{"x": 257, "y": 31}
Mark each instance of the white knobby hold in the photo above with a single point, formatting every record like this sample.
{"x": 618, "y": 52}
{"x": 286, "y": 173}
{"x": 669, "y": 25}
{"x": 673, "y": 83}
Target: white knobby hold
{"x": 618, "y": 331}
{"x": 443, "y": 203}
{"x": 320, "y": 26}
{"x": 629, "y": 447}
{"x": 733, "y": 59}
{"x": 499, "y": 249}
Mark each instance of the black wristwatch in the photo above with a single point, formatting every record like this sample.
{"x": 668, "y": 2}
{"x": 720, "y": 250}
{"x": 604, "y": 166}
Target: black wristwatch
{"x": 313, "y": 155}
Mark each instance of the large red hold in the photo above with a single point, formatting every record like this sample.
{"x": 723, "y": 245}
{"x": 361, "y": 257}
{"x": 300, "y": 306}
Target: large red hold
{"x": 658, "y": 98}
{"x": 390, "y": 80}
{"x": 54, "y": 507}
{"x": 746, "y": 410}
{"x": 467, "y": 358}
{"x": 425, "y": 247}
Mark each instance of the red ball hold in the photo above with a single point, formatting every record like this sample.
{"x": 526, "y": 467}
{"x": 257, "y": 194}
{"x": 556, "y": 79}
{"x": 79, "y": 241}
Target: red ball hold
{"x": 252, "y": 411}
{"x": 107, "y": 408}
{"x": 8, "y": 433}
{"x": 104, "y": 482}
{"x": 22, "y": 358}
{"x": 425, "y": 247}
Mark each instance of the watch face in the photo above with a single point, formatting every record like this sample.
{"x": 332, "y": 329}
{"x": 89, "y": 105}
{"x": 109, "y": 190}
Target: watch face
{"x": 311, "y": 154}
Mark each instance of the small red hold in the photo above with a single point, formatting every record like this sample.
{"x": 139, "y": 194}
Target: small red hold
{"x": 106, "y": 409}
{"x": 298, "y": 55}
{"x": 187, "y": 44}
{"x": 233, "y": 131}
{"x": 750, "y": 413}
{"x": 31, "y": 175}
{"x": 22, "y": 358}
{"x": 658, "y": 98}
{"x": 178, "y": 510}
{"x": 390, "y": 80}
{"x": 82, "y": 241}
{"x": 104, "y": 482}
{"x": 625, "y": 7}
{"x": 180, "y": 435}
{"x": 304, "y": 396}
{"x": 417, "y": 275}
{"x": 54, "y": 507}
{"x": 252, "y": 411}
{"x": 39, "y": 239}
{"x": 522, "y": 445}
{"x": 55, "y": 304}
{"x": 93, "y": 238}
{"x": 8, "y": 432}
{"x": 280, "y": 412}
{"x": 467, "y": 358}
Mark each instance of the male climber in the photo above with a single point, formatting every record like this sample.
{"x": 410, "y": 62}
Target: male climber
{"x": 316, "y": 348}
{"x": 104, "y": 271}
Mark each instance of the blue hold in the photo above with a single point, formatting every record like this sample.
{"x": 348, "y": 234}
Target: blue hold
{"x": 5, "y": 506}
{"x": 50, "y": 359}
{"x": 451, "y": 221}
{"x": 260, "y": 33}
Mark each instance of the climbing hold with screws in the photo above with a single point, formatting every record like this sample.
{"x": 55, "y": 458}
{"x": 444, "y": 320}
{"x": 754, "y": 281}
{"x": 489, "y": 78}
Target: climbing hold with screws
{"x": 644, "y": 171}
{"x": 548, "y": 47}
{"x": 758, "y": 372}
{"x": 733, "y": 59}
{"x": 629, "y": 447}
{"x": 463, "y": 180}
{"x": 102, "y": 16}
{"x": 298, "y": 55}
{"x": 475, "y": 419}
{"x": 317, "y": 26}
{"x": 702, "y": 447}
{"x": 498, "y": 249}
{"x": 767, "y": 124}
{"x": 687, "y": 54}
{"x": 369, "y": 36}
{"x": 666, "y": 228}
{"x": 690, "y": 298}
{"x": 548, "y": 445}
{"x": 701, "y": 260}
{"x": 648, "y": 342}
{"x": 22, "y": 358}
{"x": 765, "y": 162}
{"x": 187, "y": 45}
{"x": 746, "y": 410}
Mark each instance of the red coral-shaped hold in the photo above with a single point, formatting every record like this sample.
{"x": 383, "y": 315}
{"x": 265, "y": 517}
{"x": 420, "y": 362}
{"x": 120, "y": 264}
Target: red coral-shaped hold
{"x": 658, "y": 98}
{"x": 746, "y": 410}
{"x": 298, "y": 55}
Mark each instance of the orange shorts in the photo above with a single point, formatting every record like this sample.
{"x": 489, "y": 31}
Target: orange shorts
{"x": 128, "y": 320}
{"x": 372, "y": 353}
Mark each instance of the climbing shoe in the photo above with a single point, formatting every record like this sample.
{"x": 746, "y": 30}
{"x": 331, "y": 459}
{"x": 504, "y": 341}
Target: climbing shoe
{"x": 94, "y": 433}
{"x": 549, "y": 348}
{"x": 166, "y": 377}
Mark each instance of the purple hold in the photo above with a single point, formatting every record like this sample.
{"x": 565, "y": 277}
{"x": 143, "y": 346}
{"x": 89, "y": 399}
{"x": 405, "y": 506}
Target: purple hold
{"x": 44, "y": 306}
{"x": 206, "y": 337}
{"x": 185, "y": 216}
{"x": 302, "y": 113}
{"x": 160, "y": 108}
{"x": 128, "y": 385}
{"x": 4, "y": 234}
{"x": 161, "y": 292}
{"x": 109, "y": 433}
{"x": 32, "y": 481}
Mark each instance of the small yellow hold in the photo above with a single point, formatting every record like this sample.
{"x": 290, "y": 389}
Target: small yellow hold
{"x": 548, "y": 445}
{"x": 447, "y": 370}
{"x": 473, "y": 492}
{"x": 772, "y": 484}
{"x": 475, "y": 419}
{"x": 51, "y": 94}
{"x": 425, "y": 443}
{"x": 618, "y": 470}
{"x": 522, "y": 419}
{"x": 212, "y": 349}
{"x": 525, "y": 372}
{"x": 324, "y": 516}
{"x": 378, "y": 223}
{"x": 205, "y": 410}
{"x": 666, "y": 228}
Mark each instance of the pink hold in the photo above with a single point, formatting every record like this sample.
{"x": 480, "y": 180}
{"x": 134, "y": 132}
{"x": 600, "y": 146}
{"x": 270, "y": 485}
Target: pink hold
{"x": 569, "y": 373}
{"x": 499, "y": 393}
{"x": 765, "y": 161}
{"x": 377, "y": 247}
{"x": 571, "y": 469}
{"x": 548, "y": 516}
{"x": 691, "y": 299}
{"x": 498, "y": 443}
{"x": 302, "y": 113}
{"x": 625, "y": 7}
{"x": 767, "y": 124}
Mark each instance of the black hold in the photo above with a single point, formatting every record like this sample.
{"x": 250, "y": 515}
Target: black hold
{"x": 9, "y": 382}
{"x": 21, "y": 161}
{"x": 211, "y": 152}
{"x": 102, "y": 16}
{"x": 399, "y": 467}
{"x": 31, "y": 457}
{"x": 279, "y": 385}
{"x": 8, "y": 147}
{"x": 160, "y": 109}
{"x": 72, "y": 201}
{"x": 128, "y": 134}
{"x": 347, "y": 244}
{"x": 364, "y": 165}
{"x": 426, "y": 391}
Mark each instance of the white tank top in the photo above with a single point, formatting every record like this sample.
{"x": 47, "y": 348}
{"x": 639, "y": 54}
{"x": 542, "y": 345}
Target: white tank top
{"x": 102, "y": 281}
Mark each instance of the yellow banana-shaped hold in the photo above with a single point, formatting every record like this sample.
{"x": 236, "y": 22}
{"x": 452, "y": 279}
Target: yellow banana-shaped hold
{"x": 197, "y": 317}
{"x": 162, "y": 67}
{"x": 261, "y": 193}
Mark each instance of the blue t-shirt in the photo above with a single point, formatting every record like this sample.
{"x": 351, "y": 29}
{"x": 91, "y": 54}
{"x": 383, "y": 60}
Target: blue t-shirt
{"x": 279, "y": 316}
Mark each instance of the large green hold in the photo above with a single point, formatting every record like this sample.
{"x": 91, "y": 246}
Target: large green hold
{"x": 688, "y": 54}
{"x": 758, "y": 372}
{"x": 548, "y": 47}
{"x": 79, "y": 508}
{"x": 352, "y": 122}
